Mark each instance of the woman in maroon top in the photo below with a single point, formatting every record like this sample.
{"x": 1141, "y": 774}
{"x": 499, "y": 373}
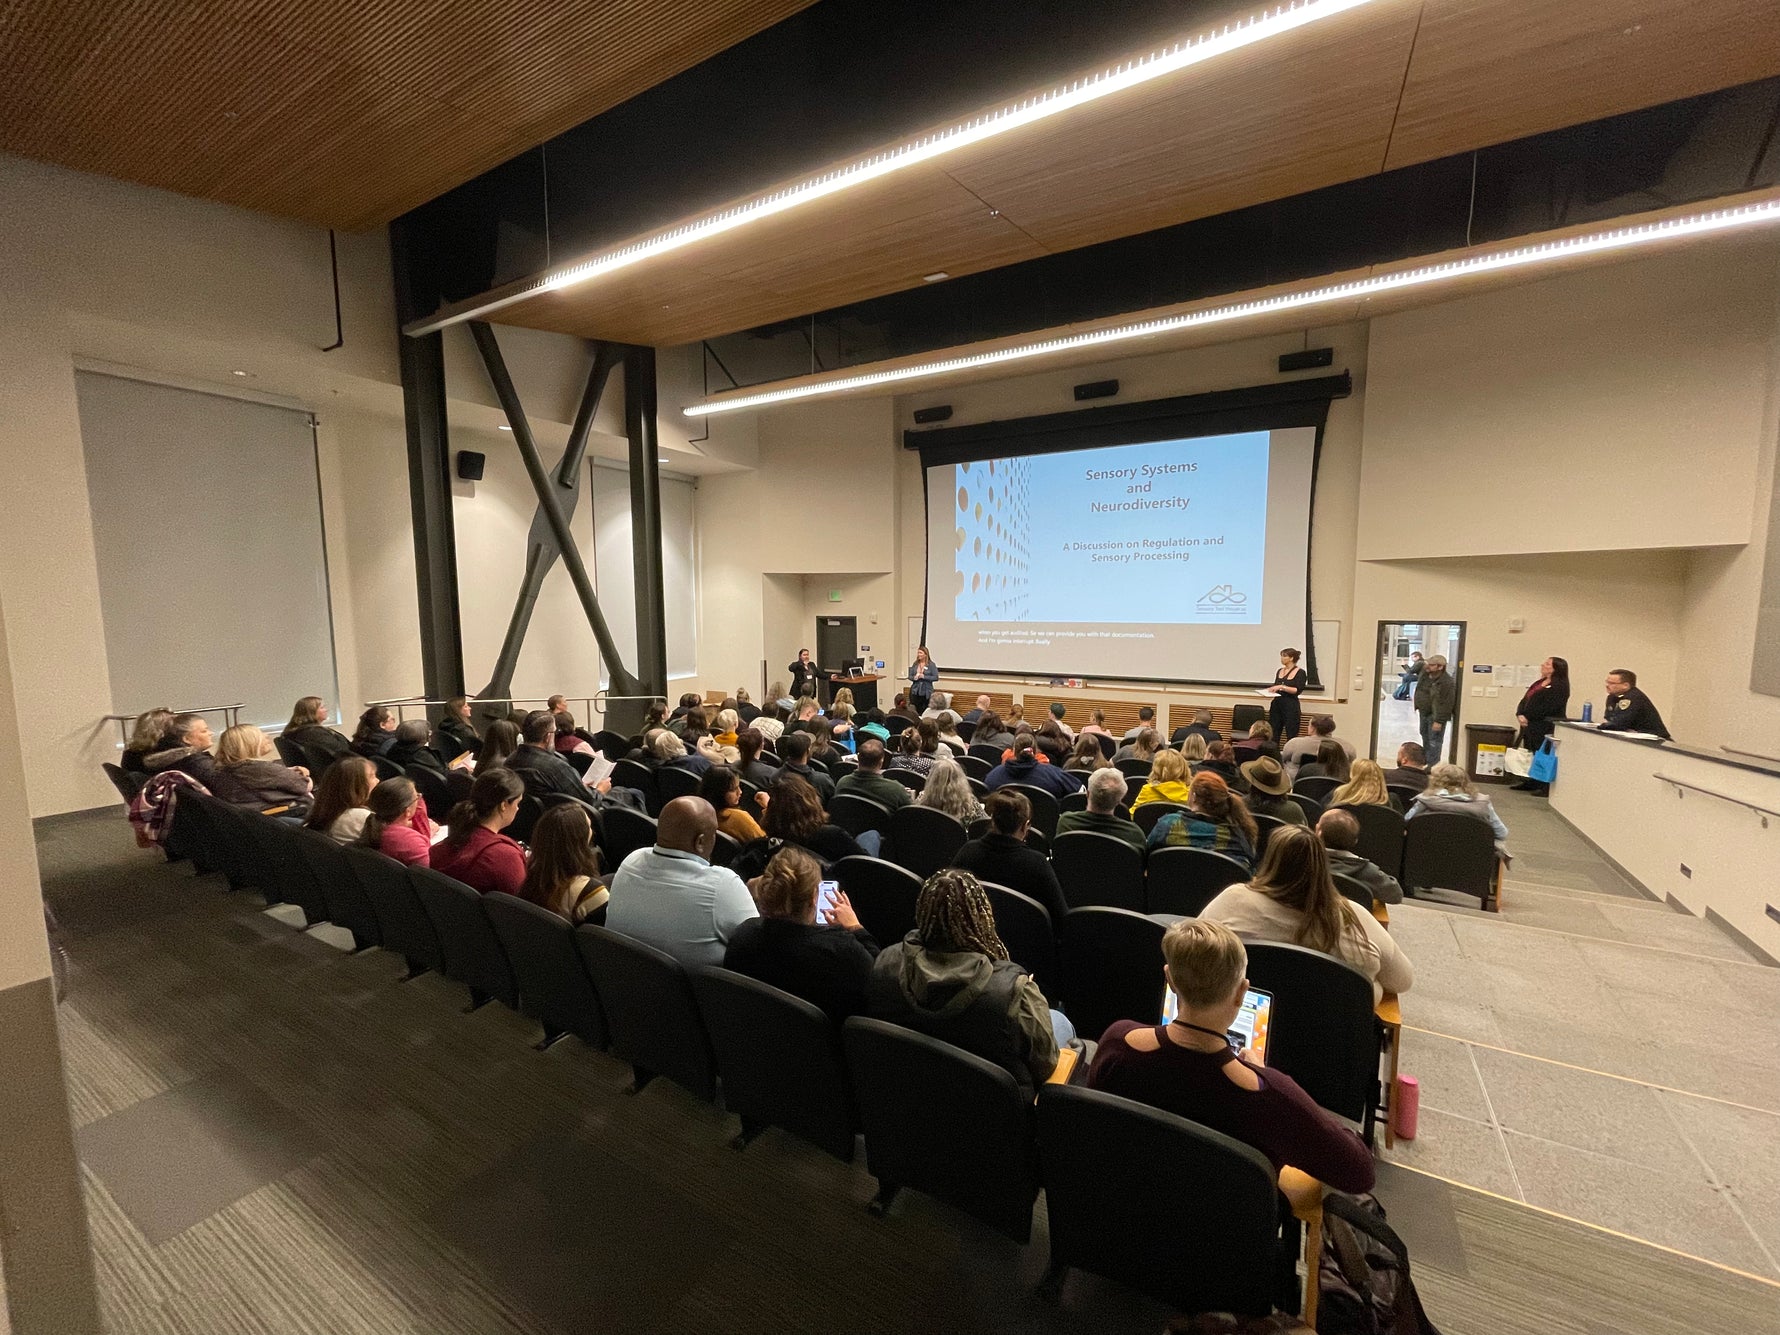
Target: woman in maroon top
{"x": 476, "y": 852}
{"x": 1189, "y": 1068}
{"x": 398, "y": 826}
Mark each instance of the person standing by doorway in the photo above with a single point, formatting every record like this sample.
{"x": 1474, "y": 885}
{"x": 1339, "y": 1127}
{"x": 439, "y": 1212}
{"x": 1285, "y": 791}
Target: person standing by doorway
{"x": 1283, "y": 713}
{"x": 1436, "y": 696}
{"x": 1406, "y": 680}
{"x": 923, "y": 676}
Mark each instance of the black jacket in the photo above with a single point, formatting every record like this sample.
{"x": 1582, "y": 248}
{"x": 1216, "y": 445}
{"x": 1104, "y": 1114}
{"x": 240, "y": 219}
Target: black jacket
{"x": 1196, "y": 730}
{"x": 321, "y": 739}
{"x": 453, "y": 737}
{"x": 203, "y": 767}
{"x": 1632, "y": 712}
{"x": 544, "y": 771}
{"x": 1005, "y": 860}
{"x": 406, "y": 754}
{"x": 827, "y": 966}
{"x": 1542, "y": 709}
{"x": 1407, "y": 778}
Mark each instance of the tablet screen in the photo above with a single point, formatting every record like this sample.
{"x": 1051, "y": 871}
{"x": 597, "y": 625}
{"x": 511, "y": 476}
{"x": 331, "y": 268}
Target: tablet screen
{"x": 1248, "y": 1031}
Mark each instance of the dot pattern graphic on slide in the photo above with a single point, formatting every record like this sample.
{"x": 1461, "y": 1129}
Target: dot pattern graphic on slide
{"x": 991, "y": 538}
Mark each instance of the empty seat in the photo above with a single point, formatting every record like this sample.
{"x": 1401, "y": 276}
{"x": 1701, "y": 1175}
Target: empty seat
{"x": 724, "y": 851}
{"x": 1244, "y": 717}
{"x": 1264, "y": 828}
{"x": 402, "y": 924}
{"x": 975, "y": 767}
{"x": 671, "y": 781}
{"x": 1076, "y": 801}
{"x": 347, "y": 903}
{"x": 553, "y": 985}
{"x": 1185, "y": 880}
{"x": 924, "y": 839}
{"x": 1024, "y": 926}
{"x": 1310, "y": 806}
{"x": 1100, "y": 869}
{"x": 1381, "y": 835}
{"x": 473, "y": 953}
{"x": 614, "y": 746}
{"x": 856, "y": 814}
{"x": 126, "y": 783}
{"x": 1109, "y": 744}
{"x": 284, "y": 872}
{"x": 1330, "y": 1045}
{"x": 650, "y": 1010}
{"x": 1404, "y": 793}
{"x": 1045, "y": 811}
{"x": 945, "y": 1122}
{"x": 989, "y": 755}
{"x": 635, "y": 774}
{"x": 625, "y": 832}
{"x": 581, "y": 760}
{"x": 883, "y": 895}
{"x": 780, "y": 1060}
{"x": 1317, "y": 786}
{"x": 1198, "y": 1215}
{"x": 1354, "y": 890}
{"x": 1451, "y": 852}
{"x": 1110, "y": 965}
{"x": 1149, "y": 813}
{"x": 908, "y": 778}
{"x": 525, "y": 820}
{"x": 289, "y": 752}
{"x": 1133, "y": 769}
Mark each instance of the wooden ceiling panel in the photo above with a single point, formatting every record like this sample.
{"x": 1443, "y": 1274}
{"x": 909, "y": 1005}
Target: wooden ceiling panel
{"x": 1307, "y": 110}
{"x": 344, "y": 113}
{"x": 1488, "y": 71}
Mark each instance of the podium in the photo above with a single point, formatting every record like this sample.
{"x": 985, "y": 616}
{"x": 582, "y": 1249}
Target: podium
{"x": 864, "y": 688}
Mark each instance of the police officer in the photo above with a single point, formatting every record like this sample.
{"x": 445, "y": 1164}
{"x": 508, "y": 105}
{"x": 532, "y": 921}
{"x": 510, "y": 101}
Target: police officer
{"x": 1628, "y": 708}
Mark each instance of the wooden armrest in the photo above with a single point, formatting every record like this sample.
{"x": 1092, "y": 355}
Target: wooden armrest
{"x": 1389, "y": 1010}
{"x": 1066, "y": 1060}
{"x": 1381, "y": 913}
{"x": 1304, "y": 1193}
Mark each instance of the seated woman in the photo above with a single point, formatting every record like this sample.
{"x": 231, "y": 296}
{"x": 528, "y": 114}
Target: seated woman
{"x": 1095, "y": 726}
{"x": 1051, "y": 742}
{"x": 1267, "y": 789}
{"x": 1003, "y": 857}
{"x": 1450, "y": 789}
{"x": 826, "y": 961}
{"x": 1215, "y": 819}
{"x": 749, "y": 744}
{"x": 1331, "y": 763}
{"x": 567, "y": 743}
{"x": 823, "y": 750}
{"x": 917, "y": 749}
{"x": 1193, "y": 750}
{"x": 1086, "y": 756}
{"x": 794, "y": 814}
{"x": 252, "y": 761}
{"x": 671, "y": 753}
{"x": 948, "y": 789}
{"x": 728, "y": 724}
{"x": 1188, "y": 1068}
{"x": 565, "y": 866}
{"x": 1220, "y": 759}
{"x": 991, "y": 731}
{"x": 1364, "y": 787}
{"x": 1292, "y": 899}
{"x": 338, "y": 809}
{"x": 456, "y": 733}
{"x": 147, "y": 735}
{"x": 398, "y": 826}
{"x": 498, "y": 745}
{"x": 721, "y": 786}
{"x": 1259, "y": 742}
{"x": 1141, "y": 747}
{"x": 1167, "y": 781}
{"x": 476, "y": 852}
{"x": 412, "y": 746}
{"x": 308, "y": 728}
{"x": 947, "y": 728}
{"x": 376, "y": 732}
{"x": 951, "y": 978}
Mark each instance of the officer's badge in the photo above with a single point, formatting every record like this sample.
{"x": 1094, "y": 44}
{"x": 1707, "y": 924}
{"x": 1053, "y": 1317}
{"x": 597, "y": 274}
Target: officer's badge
{"x": 1624, "y": 703}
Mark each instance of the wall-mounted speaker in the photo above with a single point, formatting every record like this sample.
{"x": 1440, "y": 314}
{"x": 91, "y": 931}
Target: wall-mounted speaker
{"x": 1307, "y": 360}
{"x": 469, "y": 465}
{"x": 938, "y": 413}
{"x": 1096, "y": 389}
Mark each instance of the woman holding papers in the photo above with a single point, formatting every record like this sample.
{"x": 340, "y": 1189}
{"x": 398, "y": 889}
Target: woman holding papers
{"x": 1288, "y": 682}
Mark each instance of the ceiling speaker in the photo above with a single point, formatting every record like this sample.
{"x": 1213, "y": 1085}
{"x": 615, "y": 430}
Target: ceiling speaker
{"x": 469, "y": 465}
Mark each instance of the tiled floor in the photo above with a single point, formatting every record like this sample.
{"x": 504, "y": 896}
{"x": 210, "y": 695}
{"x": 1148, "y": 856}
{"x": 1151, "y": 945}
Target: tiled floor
{"x": 1596, "y": 1053}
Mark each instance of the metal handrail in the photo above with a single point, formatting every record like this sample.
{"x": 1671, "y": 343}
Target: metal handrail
{"x": 1753, "y": 755}
{"x": 1722, "y": 797}
{"x": 231, "y": 713}
{"x": 407, "y": 702}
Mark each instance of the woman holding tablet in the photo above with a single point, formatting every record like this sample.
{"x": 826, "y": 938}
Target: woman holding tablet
{"x": 1289, "y": 681}
{"x": 923, "y": 675}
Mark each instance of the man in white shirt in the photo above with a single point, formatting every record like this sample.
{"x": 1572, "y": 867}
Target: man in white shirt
{"x": 1302, "y": 750}
{"x": 671, "y": 897}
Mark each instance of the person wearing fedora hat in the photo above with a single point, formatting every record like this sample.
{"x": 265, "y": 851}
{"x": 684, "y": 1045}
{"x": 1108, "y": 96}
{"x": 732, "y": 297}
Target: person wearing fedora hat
{"x": 1268, "y": 789}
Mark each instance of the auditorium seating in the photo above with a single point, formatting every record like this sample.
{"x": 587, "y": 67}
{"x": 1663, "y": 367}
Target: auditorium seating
{"x": 1381, "y": 836}
{"x": 1149, "y": 813}
{"x": 1024, "y": 926}
{"x": 1331, "y": 1047}
{"x": 1110, "y": 967}
{"x": 1098, "y": 869}
{"x": 1184, "y": 880}
{"x": 554, "y": 988}
{"x": 1447, "y": 851}
{"x": 1317, "y": 787}
{"x": 651, "y": 1011}
{"x": 856, "y": 814}
{"x": 1045, "y": 811}
{"x": 922, "y": 839}
{"x": 883, "y": 895}
{"x": 473, "y": 953}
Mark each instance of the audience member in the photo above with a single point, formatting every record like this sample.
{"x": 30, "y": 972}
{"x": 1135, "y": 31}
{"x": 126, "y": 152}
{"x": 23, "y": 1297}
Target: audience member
{"x": 563, "y": 874}
{"x": 566, "y": 741}
{"x": 1412, "y": 767}
{"x": 1340, "y": 834}
{"x": 540, "y": 766}
{"x": 338, "y": 809}
{"x": 556, "y": 704}
{"x": 1087, "y": 756}
{"x": 794, "y": 814}
{"x": 670, "y": 896}
{"x": 794, "y": 751}
{"x": 1292, "y": 899}
{"x": 411, "y": 748}
{"x": 937, "y": 704}
{"x": 1167, "y": 782}
{"x": 1627, "y": 708}
{"x": 1540, "y": 710}
{"x": 983, "y": 706}
{"x": 1220, "y": 759}
{"x": 749, "y": 745}
{"x": 1267, "y": 789}
{"x": 911, "y": 750}
{"x": 1330, "y": 763}
{"x": 873, "y": 726}
{"x": 1188, "y": 1067}
{"x": 992, "y": 731}
{"x": 745, "y": 709}
{"x": 721, "y": 786}
{"x": 251, "y": 761}
{"x": 948, "y": 789}
{"x": 1259, "y": 742}
{"x": 499, "y": 744}
{"x": 186, "y": 748}
{"x": 951, "y": 978}
{"x": 1024, "y": 767}
{"x": 456, "y": 735}
{"x": 1106, "y": 811}
{"x": 689, "y": 701}
{"x": 1364, "y": 787}
{"x": 1215, "y": 819}
{"x": 1095, "y": 726}
{"x": 840, "y": 731}
{"x": 398, "y": 826}
{"x": 1146, "y": 718}
{"x": 1003, "y": 856}
{"x": 147, "y": 736}
{"x": 1200, "y": 727}
{"x": 655, "y": 715}
{"x": 1302, "y": 750}
{"x": 946, "y": 725}
{"x": 770, "y": 726}
{"x": 1450, "y": 789}
{"x": 825, "y": 961}
{"x": 1143, "y": 746}
{"x": 475, "y": 851}
{"x": 376, "y": 732}
{"x": 669, "y": 752}
{"x": 1193, "y": 750}
{"x": 899, "y": 708}
{"x": 308, "y": 729}
{"x": 1051, "y": 742}
{"x": 1060, "y": 711}
{"x": 1436, "y": 697}
{"x": 868, "y": 781}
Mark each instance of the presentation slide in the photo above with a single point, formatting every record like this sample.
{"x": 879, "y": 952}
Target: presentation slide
{"x": 1182, "y": 560}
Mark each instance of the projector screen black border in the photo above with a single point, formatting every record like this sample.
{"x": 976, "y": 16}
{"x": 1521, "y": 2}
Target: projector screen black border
{"x": 1294, "y": 403}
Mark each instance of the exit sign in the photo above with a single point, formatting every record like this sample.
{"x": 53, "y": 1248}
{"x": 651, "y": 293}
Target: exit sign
{"x": 834, "y": 595}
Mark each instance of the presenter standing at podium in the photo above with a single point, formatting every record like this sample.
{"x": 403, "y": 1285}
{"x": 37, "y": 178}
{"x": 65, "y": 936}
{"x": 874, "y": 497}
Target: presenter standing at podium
{"x": 1283, "y": 713}
{"x": 923, "y": 676}
{"x": 804, "y": 675}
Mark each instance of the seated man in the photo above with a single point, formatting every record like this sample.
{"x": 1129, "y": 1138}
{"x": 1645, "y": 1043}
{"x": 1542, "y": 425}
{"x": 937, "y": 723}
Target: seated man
{"x": 540, "y": 766}
{"x": 1026, "y": 768}
{"x": 1302, "y": 750}
{"x": 1188, "y": 1067}
{"x": 868, "y": 779}
{"x": 1106, "y": 811}
{"x": 1628, "y": 709}
{"x": 187, "y": 748}
{"x": 1412, "y": 767}
{"x": 1058, "y": 711}
{"x": 794, "y": 750}
{"x": 982, "y": 707}
{"x": 1340, "y": 834}
{"x": 671, "y": 897}
{"x": 1003, "y": 856}
{"x": 1199, "y": 727}
{"x": 410, "y": 747}
{"x": 1146, "y": 718}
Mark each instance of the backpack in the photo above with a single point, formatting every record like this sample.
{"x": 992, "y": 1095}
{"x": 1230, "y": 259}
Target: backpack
{"x": 1364, "y": 1286}
{"x": 753, "y": 857}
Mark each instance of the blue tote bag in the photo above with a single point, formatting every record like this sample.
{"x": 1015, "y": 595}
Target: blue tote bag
{"x": 1545, "y": 764}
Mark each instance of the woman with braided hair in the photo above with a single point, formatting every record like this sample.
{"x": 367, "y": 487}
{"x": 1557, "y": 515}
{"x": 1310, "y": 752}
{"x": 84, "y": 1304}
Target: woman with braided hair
{"x": 951, "y": 979}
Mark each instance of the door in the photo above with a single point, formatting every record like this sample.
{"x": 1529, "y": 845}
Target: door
{"x": 1395, "y": 721}
{"x": 837, "y": 639}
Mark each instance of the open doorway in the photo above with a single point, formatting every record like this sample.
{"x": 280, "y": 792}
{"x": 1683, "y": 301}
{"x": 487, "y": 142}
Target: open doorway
{"x": 1402, "y": 647}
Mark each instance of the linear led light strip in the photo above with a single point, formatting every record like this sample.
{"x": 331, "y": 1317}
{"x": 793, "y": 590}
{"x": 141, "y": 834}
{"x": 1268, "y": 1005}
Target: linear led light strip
{"x": 1621, "y": 238}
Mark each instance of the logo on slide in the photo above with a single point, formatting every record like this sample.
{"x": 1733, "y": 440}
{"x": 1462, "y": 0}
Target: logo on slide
{"x": 1222, "y": 600}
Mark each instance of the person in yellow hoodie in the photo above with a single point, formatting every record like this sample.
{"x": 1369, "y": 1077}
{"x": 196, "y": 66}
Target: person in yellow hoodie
{"x": 1167, "y": 781}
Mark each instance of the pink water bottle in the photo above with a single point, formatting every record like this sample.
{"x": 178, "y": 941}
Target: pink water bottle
{"x": 1406, "y": 1104}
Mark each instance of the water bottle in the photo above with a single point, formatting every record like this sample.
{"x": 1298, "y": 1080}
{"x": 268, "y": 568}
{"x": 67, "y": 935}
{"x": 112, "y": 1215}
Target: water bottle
{"x": 1406, "y": 1107}
{"x": 1588, "y": 711}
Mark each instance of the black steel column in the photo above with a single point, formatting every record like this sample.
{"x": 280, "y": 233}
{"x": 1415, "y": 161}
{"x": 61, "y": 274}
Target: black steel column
{"x": 645, "y": 518}
{"x": 429, "y": 500}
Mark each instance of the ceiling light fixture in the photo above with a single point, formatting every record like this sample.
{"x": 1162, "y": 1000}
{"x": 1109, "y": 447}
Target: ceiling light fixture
{"x": 1618, "y": 238}
{"x": 1184, "y": 54}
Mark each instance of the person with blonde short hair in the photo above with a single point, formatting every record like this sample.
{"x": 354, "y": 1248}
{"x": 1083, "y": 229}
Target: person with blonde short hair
{"x": 247, "y": 754}
{"x": 1189, "y": 1067}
